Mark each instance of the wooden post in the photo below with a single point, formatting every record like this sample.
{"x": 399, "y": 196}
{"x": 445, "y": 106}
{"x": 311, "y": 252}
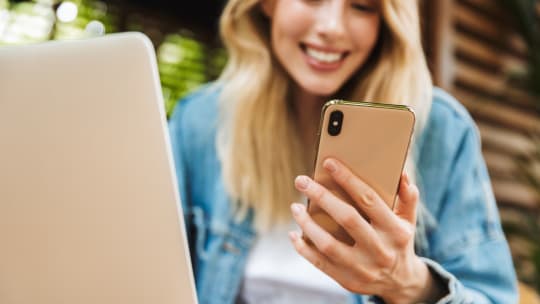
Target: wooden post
{"x": 439, "y": 33}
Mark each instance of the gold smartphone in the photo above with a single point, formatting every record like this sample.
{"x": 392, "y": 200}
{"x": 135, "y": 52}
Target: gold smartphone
{"x": 372, "y": 140}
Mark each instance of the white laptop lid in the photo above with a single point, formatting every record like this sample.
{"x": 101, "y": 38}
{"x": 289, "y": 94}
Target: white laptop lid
{"x": 89, "y": 209}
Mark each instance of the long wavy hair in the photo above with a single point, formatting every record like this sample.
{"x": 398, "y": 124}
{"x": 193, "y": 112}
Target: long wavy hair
{"x": 258, "y": 145}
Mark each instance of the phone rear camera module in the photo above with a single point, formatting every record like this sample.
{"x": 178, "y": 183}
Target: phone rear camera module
{"x": 335, "y": 123}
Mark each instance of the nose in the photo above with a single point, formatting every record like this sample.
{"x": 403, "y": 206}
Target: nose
{"x": 331, "y": 19}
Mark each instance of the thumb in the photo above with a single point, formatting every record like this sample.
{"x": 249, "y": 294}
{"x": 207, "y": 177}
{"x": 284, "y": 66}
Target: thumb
{"x": 407, "y": 200}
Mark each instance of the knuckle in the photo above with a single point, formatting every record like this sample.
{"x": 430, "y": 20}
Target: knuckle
{"x": 385, "y": 260}
{"x": 327, "y": 248}
{"x": 345, "y": 176}
{"x": 320, "y": 263}
{"x": 318, "y": 193}
{"x": 350, "y": 222}
{"x": 302, "y": 248}
{"x": 302, "y": 220}
{"x": 305, "y": 223}
{"x": 370, "y": 196}
{"x": 403, "y": 236}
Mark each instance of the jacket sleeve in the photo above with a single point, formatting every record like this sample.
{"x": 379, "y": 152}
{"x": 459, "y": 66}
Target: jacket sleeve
{"x": 467, "y": 249}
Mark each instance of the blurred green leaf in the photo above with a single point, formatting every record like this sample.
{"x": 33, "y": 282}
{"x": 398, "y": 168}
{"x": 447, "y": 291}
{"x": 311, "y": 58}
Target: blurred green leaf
{"x": 523, "y": 12}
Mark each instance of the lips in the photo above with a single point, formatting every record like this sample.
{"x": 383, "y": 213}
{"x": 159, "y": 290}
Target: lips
{"x": 323, "y": 58}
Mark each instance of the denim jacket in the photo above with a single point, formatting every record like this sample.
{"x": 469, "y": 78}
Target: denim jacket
{"x": 460, "y": 237}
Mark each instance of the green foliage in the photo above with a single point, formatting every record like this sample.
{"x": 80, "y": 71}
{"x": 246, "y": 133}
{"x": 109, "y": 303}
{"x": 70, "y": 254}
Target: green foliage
{"x": 185, "y": 62}
{"x": 527, "y": 22}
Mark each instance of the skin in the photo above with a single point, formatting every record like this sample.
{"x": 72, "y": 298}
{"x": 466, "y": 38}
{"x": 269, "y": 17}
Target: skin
{"x": 388, "y": 267}
{"x": 325, "y": 26}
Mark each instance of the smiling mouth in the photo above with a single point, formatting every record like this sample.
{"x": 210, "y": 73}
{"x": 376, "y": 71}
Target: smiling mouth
{"x": 324, "y": 57}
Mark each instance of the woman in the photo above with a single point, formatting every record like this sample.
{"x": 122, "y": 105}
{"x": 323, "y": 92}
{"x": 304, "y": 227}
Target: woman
{"x": 242, "y": 144}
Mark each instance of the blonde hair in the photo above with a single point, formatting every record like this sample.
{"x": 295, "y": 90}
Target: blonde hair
{"x": 259, "y": 149}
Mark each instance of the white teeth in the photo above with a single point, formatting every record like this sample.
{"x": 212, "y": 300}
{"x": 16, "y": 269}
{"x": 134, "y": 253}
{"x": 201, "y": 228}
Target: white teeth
{"x": 323, "y": 56}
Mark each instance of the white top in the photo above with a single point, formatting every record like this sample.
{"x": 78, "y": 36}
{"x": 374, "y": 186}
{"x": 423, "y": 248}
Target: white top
{"x": 276, "y": 273}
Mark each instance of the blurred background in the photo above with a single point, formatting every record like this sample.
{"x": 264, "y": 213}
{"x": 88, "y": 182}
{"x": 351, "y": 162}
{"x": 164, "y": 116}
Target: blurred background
{"x": 183, "y": 32}
{"x": 485, "y": 52}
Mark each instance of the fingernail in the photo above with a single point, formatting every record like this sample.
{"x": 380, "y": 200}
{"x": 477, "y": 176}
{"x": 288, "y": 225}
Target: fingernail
{"x": 296, "y": 209}
{"x": 406, "y": 178}
{"x": 330, "y": 165}
{"x": 411, "y": 188}
{"x": 293, "y": 236}
{"x": 302, "y": 182}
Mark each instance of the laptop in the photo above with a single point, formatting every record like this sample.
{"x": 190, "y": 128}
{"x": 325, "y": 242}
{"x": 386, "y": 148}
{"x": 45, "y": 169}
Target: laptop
{"x": 89, "y": 204}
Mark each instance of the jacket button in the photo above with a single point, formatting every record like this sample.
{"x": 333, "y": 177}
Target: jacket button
{"x": 228, "y": 246}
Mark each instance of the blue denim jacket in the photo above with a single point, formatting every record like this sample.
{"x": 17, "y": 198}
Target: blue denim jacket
{"x": 460, "y": 239}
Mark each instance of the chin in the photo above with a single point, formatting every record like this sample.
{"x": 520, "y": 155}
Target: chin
{"x": 323, "y": 92}
{"x": 321, "y": 89}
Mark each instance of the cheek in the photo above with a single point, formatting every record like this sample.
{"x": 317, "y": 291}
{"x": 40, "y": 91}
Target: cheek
{"x": 366, "y": 33}
{"x": 290, "y": 23}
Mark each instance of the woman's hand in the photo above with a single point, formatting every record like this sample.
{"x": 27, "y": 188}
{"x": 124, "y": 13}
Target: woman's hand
{"x": 382, "y": 262}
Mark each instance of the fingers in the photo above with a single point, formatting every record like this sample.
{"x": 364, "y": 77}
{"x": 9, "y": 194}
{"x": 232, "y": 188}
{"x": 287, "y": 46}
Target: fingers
{"x": 367, "y": 199}
{"x": 343, "y": 213}
{"x": 316, "y": 258}
{"x": 341, "y": 272}
{"x": 408, "y": 200}
{"x": 323, "y": 240}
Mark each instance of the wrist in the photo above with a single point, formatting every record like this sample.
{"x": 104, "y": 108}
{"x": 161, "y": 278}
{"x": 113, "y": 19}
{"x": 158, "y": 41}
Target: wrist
{"x": 419, "y": 286}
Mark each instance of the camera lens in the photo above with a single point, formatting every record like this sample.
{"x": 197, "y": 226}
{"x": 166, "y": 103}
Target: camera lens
{"x": 335, "y": 123}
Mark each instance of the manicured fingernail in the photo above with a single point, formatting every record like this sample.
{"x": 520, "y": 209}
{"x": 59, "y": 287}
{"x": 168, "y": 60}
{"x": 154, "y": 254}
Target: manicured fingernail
{"x": 296, "y": 209}
{"x": 330, "y": 165}
{"x": 293, "y": 235}
{"x": 302, "y": 182}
